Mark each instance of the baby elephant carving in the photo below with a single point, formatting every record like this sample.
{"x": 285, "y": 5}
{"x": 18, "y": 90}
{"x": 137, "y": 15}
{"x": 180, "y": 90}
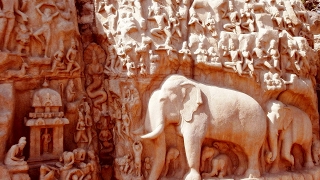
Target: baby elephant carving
{"x": 221, "y": 163}
{"x": 221, "y": 166}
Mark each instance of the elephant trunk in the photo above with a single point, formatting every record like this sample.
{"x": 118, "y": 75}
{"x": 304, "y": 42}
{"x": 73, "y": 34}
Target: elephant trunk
{"x": 155, "y": 133}
{"x": 273, "y": 142}
{"x": 160, "y": 146}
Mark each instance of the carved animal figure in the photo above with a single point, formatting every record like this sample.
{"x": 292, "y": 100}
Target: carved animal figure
{"x": 221, "y": 166}
{"x": 172, "y": 155}
{"x": 295, "y": 126}
{"x": 207, "y": 153}
{"x": 17, "y": 73}
{"x": 201, "y": 111}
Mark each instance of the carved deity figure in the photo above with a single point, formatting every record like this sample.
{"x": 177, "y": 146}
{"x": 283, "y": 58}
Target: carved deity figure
{"x": 247, "y": 59}
{"x": 94, "y": 162}
{"x": 137, "y": 151}
{"x": 259, "y": 55}
{"x": 47, "y": 18}
{"x": 110, "y": 12}
{"x": 88, "y": 121}
{"x": 234, "y": 18}
{"x": 274, "y": 9}
{"x": 14, "y": 155}
{"x": 235, "y": 58}
{"x": 23, "y": 39}
{"x": 126, "y": 24}
{"x": 210, "y": 23}
{"x": 185, "y": 51}
{"x": 72, "y": 58}
{"x": 174, "y": 24}
{"x": 46, "y": 139}
{"x": 302, "y": 64}
{"x": 275, "y": 56}
{"x": 196, "y": 24}
{"x": 247, "y": 17}
{"x": 202, "y": 54}
{"x": 70, "y": 91}
{"x": 9, "y": 8}
{"x": 57, "y": 63}
{"x": 66, "y": 161}
{"x": 81, "y": 135}
{"x": 162, "y": 31}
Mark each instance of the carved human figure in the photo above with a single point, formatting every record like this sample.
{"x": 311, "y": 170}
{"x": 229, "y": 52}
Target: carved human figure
{"x": 202, "y": 54}
{"x": 137, "y": 151}
{"x": 247, "y": 17}
{"x": 45, "y": 30}
{"x": 70, "y": 91}
{"x": 72, "y": 58}
{"x": 57, "y": 63}
{"x": 174, "y": 24}
{"x": 126, "y": 24}
{"x": 124, "y": 163}
{"x": 273, "y": 52}
{"x": 306, "y": 33}
{"x": 94, "y": 162}
{"x": 235, "y": 58}
{"x": 23, "y": 39}
{"x": 47, "y": 172}
{"x": 259, "y": 55}
{"x": 88, "y": 121}
{"x": 293, "y": 56}
{"x": 14, "y": 155}
{"x": 185, "y": 51}
{"x": 196, "y": 24}
{"x": 143, "y": 49}
{"x": 302, "y": 65}
{"x": 66, "y": 161}
{"x": 125, "y": 121}
{"x": 147, "y": 166}
{"x": 105, "y": 137}
{"x": 81, "y": 135}
{"x": 162, "y": 31}
{"x": 247, "y": 59}
{"x": 171, "y": 156}
{"x": 234, "y": 18}
{"x": 213, "y": 56}
{"x": 274, "y": 9}
{"x": 9, "y": 8}
{"x": 46, "y": 139}
{"x": 210, "y": 23}
{"x": 110, "y": 12}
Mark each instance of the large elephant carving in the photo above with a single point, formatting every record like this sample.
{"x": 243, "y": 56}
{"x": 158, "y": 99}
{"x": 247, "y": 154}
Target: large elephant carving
{"x": 202, "y": 111}
{"x": 288, "y": 125}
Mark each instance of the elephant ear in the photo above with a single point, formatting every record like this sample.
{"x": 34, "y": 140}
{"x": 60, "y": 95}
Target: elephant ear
{"x": 191, "y": 101}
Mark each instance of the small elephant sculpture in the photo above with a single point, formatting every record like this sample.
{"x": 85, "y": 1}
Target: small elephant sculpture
{"x": 207, "y": 154}
{"x": 202, "y": 111}
{"x": 221, "y": 166}
{"x": 289, "y": 125}
{"x": 172, "y": 155}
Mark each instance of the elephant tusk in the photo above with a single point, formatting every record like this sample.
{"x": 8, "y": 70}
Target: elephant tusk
{"x": 155, "y": 133}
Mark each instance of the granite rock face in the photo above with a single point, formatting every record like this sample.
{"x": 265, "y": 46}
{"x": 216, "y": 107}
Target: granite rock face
{"x": 175, "y": 89}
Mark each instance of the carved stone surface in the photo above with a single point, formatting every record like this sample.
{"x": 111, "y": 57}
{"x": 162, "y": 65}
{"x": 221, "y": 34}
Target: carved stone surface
{"x": 149, "y": 89}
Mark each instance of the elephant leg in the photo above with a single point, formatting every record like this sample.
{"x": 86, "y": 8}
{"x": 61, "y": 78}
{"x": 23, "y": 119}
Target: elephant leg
{"x": 308, "y": 160}
{"x": 253, "y": 161}
{"x": 193, "y": 153}
{"x": 286, "y": 148}
{"x": 242, "y": 162}
{"x": 160, "y": 145}
{"x": 214, "y": 170}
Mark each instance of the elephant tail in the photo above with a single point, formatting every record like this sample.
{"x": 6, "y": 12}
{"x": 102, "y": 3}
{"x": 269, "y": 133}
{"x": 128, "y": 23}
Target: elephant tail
{"x": 155, "y": 133}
